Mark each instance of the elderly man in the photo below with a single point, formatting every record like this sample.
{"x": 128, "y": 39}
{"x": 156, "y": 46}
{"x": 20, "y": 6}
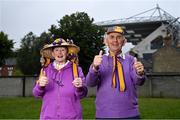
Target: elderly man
{"x": 116, "y": 76}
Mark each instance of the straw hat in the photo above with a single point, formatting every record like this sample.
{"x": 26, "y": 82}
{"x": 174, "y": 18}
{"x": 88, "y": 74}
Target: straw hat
{"x": 46, "y": 51}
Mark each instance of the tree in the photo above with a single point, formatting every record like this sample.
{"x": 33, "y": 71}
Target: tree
{"x": 80, "y": 28}
{"x": 6, "y": 47}
{"x": 28, "y": 56}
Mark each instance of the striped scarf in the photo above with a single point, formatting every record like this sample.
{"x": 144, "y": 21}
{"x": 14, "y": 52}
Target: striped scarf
{"x": 117, "y": 76}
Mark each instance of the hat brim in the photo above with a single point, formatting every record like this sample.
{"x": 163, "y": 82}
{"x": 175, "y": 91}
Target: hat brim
{"x": 47, "y": 50}
{"x": 115, "y": 29}
{"x": 115, "y": 32}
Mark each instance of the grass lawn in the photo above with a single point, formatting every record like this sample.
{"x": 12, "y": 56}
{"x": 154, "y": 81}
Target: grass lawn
{"x": 29, "y": 108}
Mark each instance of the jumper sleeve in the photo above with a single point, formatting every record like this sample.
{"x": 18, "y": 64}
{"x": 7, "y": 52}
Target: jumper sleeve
{"x": 137, "y": 79}
{"x": 81, "y": 92}
{"x": 38, "y": 91}
{"x": 92, "y": 77}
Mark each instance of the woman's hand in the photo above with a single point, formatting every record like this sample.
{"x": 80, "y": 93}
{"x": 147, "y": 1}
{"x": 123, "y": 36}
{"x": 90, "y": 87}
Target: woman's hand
{"x": 43, "y": 80}
{"x": 77, "y": 82}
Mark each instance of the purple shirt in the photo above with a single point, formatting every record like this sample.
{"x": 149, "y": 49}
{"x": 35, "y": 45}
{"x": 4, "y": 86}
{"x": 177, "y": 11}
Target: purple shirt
{"x": 61, "y": 100}
{"x": 110, "y": 102}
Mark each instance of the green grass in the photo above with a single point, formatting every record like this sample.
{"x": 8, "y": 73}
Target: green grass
{"x": 159, "y": 108}
{"x": 29, "y": 108}
{"x": 18, "y": 108}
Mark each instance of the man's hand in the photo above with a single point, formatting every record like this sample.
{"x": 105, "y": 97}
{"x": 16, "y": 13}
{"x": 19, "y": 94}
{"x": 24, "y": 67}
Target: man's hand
{"x": 97, "y": 60}
{"x": 138, "y": 67}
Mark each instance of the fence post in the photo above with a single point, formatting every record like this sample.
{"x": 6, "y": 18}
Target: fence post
{"x": 23, "y": 87}
{"x": 150, "y": 86}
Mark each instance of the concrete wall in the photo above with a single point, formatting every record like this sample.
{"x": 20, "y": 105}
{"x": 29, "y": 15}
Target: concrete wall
{"x": 161, "y": 85}
{"x": 157, "y": 85}
{"x": 16, "y": 86}
{"x": 166, "y": 59}
{"x": 11, "y": 86}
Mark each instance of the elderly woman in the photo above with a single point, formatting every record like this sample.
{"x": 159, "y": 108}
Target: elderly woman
{"x": 61, "y": 83}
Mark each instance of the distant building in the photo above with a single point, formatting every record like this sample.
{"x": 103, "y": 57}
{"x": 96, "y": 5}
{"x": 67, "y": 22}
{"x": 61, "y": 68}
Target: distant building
{"x": 166, "y": 59}
{"x": 8, "y": 68}
{"x": 148, "y": 31}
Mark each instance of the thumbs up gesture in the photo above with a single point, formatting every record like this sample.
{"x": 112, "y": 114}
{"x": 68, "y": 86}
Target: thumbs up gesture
{"x": 138, "y": 67}
{"x": 43, "y": 80}
{"x": 77, "y": 82}
{"x": 97, "y": 60}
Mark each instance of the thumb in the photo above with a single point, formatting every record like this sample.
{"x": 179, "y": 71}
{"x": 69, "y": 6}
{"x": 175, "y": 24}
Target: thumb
{"x": 135, "y": 59}
{"x": 75, "y": 77}
{"x": 43, "y": 73}
{"x": 100, "y": 52}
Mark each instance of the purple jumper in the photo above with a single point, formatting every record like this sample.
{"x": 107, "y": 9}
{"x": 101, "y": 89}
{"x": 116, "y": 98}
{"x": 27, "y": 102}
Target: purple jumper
{"x": 110, "y": 102}
{"x": 60, "y": 99}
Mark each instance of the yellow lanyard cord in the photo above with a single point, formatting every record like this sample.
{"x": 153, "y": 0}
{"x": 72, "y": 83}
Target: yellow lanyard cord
{"x": 75, "y": 69}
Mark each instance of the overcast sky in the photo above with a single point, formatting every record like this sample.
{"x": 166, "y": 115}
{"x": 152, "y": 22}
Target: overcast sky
{"x": 19, "y": 17}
